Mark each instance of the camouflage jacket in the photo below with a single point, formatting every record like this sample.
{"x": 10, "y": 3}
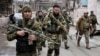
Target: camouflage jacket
{"x": 67, "y": 19}
{"x": 22, "y": 44}
{"x": 52, "y": 24}
{"x": 20, "y": 23}
{"x": 83, "y": 23}
{"x": 40, "y": 18}
{"x": 93, "y": 19}
{"x": 38, "y": 23}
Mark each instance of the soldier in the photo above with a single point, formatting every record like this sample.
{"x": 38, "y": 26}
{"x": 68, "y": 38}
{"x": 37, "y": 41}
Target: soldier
{"x": 83, "y": 27}
{"x": 93, "y": 20}
{"x": 26, "y": 44}
{"x": 38, "y": 24}
{"x": 53, "y": 24}
{"x": 67, "y": 19}
{"x": 45, "y": 13}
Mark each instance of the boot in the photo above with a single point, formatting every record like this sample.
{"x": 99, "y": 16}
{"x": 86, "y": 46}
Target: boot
{"x": 39, "y": 52}
{"x": 87, "y": 46}
{"x": 49, "y": 55}
{"x": 43, "y": 44}
{"x": 56, "y": 55}
{"x": 78, "y": 41}
{"x": 66, "y": 47}
{"x": 56, "y": 52}
{"x": 41, "y": 49}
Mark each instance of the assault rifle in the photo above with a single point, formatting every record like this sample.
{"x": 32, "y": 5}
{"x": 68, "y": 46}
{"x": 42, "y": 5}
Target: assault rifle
{"x": 60, "y": 24}
{"x": 30, "y": 32}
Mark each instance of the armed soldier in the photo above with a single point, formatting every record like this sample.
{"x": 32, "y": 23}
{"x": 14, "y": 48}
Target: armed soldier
{"x": 83, "y": 27}
{"x": 26, "y": 43}
{"x": 38, "y": 26}
{"x": 53, "y": 24}
{"x": 65, "y": 34}
{"x": 93, "y": 20}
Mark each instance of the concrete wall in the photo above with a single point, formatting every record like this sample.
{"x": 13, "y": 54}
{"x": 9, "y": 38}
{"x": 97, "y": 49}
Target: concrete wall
{"x": 78, "y": 13}
{"x": 93, "y": 5}
{"x": 98, "y": 11}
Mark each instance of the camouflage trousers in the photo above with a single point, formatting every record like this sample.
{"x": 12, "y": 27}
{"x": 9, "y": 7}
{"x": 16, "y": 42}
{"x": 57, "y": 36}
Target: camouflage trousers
{"x": 65, "y": 34}
{"x": 39, "y": 47}
{"x": 64, "y": 38}
{"x": 26, "y": 54}
{"x": 54, "y": 45}
{"x": 55, "y": 42}
{"x": 68, "y": 28}
{"x": 92, "y": 31}
{"x": 86, "y": 33}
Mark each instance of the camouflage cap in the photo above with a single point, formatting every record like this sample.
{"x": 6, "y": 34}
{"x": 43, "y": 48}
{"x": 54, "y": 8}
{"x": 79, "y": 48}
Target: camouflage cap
{"x": 26, "y": 8}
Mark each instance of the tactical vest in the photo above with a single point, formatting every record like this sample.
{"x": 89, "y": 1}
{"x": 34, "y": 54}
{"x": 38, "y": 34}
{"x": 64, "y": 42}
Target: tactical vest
{"x": 22, "y": 44}
{"x": 86, "y": 22}
{"x": 52, "y": 27}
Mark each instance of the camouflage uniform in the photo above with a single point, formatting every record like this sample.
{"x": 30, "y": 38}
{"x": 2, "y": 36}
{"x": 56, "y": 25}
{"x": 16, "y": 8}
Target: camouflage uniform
{"x": 65, "y": 34}
{"x": 53, "y": 32}
{"x": 23, "y": 48}
{"x": 93, "y": 21}
{"x": 38, "y": 26}
{"x": 83, "y": 27}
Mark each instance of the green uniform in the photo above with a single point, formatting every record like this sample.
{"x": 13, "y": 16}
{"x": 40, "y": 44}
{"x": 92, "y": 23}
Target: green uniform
{"x": 23, "y": 45}
{"x": 83, "y": 27}
{"x": 38, "y": 26}
{"x": 93, "y": 21}
{"x": 65, "y": 34}
{"x": 53, "y": 32}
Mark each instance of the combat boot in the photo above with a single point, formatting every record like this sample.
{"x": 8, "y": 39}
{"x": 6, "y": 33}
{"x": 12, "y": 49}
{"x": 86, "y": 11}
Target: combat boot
{"x": 39, "y": 51}
{"x": 66, "y": 47}
{"x": 56, "y": 55}
{"x": 78, "y": 41}
{"x": 49, "y": 55}
{"x": 43, "y": 44}
{"x": 87, "y": 46}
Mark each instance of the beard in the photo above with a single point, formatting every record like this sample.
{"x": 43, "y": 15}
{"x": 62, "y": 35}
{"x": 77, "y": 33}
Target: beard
{"x": 40, "y": 16}
{"x": 56, "y": 14}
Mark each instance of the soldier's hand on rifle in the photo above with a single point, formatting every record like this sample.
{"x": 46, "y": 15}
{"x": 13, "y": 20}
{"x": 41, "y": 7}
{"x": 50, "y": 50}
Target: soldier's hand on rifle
{"x": 58, "y": 28}
{"x": 21, "y": 33}
{"x": 45, "y": 26}
{"x": 90, "y": 25}
{"x": 32, "y": 37}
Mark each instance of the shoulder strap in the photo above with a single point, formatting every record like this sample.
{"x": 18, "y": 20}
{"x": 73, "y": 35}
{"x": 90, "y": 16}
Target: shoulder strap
{"x": 19, "y": 22}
